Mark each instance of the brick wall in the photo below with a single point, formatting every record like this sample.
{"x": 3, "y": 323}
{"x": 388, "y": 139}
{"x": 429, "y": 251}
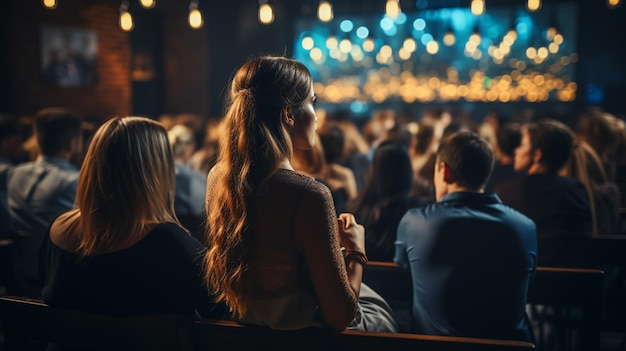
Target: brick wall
{"x": 110, "y": 96}
{"x": 186, "y": 56}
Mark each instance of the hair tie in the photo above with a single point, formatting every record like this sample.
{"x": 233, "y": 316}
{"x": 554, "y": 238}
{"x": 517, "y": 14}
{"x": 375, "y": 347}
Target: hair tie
{"x": 245, "y": 91}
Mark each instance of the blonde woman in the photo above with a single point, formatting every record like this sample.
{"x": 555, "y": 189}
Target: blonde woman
{"x": 122, "y": 251}
{"x": 604, "y": 196}
{"x": 274, "y": 238}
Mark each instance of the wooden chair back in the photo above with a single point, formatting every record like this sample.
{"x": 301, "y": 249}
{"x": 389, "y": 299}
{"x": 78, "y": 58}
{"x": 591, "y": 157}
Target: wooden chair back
{"x": 571, "y": 288}
{"x": 27, "y": 322}
{"x": 394, "y": 284}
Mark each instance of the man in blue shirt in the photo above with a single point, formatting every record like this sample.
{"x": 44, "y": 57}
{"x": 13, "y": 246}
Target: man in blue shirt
{"x": 471, "y": 258}
{"x": 40, "y": 190}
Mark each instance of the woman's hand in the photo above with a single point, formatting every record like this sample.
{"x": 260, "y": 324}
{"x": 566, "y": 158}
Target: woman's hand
{"x": 351, "y": 234}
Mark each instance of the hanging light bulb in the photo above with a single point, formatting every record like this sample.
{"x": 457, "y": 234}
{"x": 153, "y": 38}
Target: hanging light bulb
{"x": 266, "y": 13}
{"x": 126, "y": 19}
{"x": 147, "y": 4}
{"x": 478, "y": 7}
{"x": 392, "y": 9}
{"x": 613, "y": 3}
{"x": 49, "y": 4}
{"x": 533, "y": 5}
{"x": 195, "y": 16}
{"x": 325, "y": 11}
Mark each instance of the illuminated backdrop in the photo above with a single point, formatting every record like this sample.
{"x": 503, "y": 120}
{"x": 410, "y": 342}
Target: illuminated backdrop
{"x": 442, "y": 55}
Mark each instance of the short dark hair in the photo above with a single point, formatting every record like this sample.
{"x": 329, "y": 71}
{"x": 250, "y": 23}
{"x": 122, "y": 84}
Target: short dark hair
{"x": 509, "y": 137}
{"x": 469, "y": 156}
{"x": 55, "y": 128}
{"x": 555, "y": 141}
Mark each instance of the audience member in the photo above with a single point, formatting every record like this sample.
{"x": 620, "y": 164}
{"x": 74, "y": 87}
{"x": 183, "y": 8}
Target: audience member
{"x": 471, "y": 258}
{"x": 275, "y": 242}
{"x": 606, "y": 134}
{"x": 384, "y": 199}
{"x": 122, "y": 251}
{"x": 401, "y": 135}
{"x": 312, "y": 162}
{"x": 507, "y": 140}
{"x": 40, "y": 190}
{"x": 422, "y": 161}
{"x": 10, "y": 154}
{"x": 559, "y": 206}
{"x": 204, "y": 158}
{"x": 338, "y": 177}
{"x": 604, "y": 196}
{"x": 190, "y": 185}
{"x": 374, "y": 132}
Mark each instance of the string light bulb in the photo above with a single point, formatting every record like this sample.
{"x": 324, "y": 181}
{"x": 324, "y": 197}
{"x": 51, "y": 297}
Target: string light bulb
{"x": 195, "y": 16}
{"x": 478, "y": 7}
{"x": 266, "y": 13}
{"x": 533, "y": 5}
{"x": 613, "y": 3}
{"x": 126, "y": 19}
{"x": 147, "y": 4}
{"x": 325, "y": 11}
{"x": 49, "y": 4}
{"x": 392, "y": 9}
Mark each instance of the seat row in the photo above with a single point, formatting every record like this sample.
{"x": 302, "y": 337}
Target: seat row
{"x": 30, "y": 324}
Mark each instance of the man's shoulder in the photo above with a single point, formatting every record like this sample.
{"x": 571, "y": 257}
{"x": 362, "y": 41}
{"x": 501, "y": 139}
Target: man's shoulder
{"x": 425, "y": 211}
{"x": 511, "y": 215}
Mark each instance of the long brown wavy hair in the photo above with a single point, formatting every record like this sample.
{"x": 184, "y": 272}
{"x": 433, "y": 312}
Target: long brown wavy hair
{"x": 254, "y": 143}
{"x": 126, "y": 183}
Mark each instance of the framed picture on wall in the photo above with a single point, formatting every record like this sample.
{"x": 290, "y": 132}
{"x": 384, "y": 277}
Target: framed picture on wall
{"x": 68, "y": 56}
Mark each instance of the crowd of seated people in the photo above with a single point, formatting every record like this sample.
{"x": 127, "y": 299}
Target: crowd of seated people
{"x": 375, "y": 190}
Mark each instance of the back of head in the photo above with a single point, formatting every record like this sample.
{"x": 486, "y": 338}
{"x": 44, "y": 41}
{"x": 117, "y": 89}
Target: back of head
{"x": 391, "y": 173}
{"x": 55, "y": 129}
{"x": 424, "y": 137}
{"x": 180, "y": 138}
{"x": 470, "y": 158}
{"x": 508, "y": 138}
{"x": 262, "y": 91}
{"x": 127, "y": 179}
{"x": 554, "y": 139}
{"x": 400, "y": 134}
{"x": 332, "y": 140}
{"x": 597, "y": 129}
{"x": 586, "y": 165}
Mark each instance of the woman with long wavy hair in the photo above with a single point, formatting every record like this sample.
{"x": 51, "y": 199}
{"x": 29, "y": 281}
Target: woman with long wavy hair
{"x": 275, "y": 242}
{"x": 122, "y": 251}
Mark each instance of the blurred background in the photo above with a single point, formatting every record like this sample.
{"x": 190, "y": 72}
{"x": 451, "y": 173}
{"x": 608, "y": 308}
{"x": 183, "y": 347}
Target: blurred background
{"x": 159, "y": 57}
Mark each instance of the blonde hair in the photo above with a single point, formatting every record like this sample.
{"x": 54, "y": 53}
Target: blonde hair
{"x": 126, "y": 182}
{"x": 586, "y": 166}
{"x": 254, "y": 143}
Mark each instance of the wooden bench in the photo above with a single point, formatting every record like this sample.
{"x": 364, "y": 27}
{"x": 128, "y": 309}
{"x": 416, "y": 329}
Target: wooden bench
{"x": 563, "y": 288}
{"x": 25, "y": 320}
{"x": 569, "y": 290}
{"x": 29, "y": 322}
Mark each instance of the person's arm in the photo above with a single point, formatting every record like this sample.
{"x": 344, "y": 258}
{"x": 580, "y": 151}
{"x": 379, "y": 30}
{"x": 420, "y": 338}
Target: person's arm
{"x": 317, "y": 240}
{"x": 352, "y": 239}
{"x": 400, "y": 256}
